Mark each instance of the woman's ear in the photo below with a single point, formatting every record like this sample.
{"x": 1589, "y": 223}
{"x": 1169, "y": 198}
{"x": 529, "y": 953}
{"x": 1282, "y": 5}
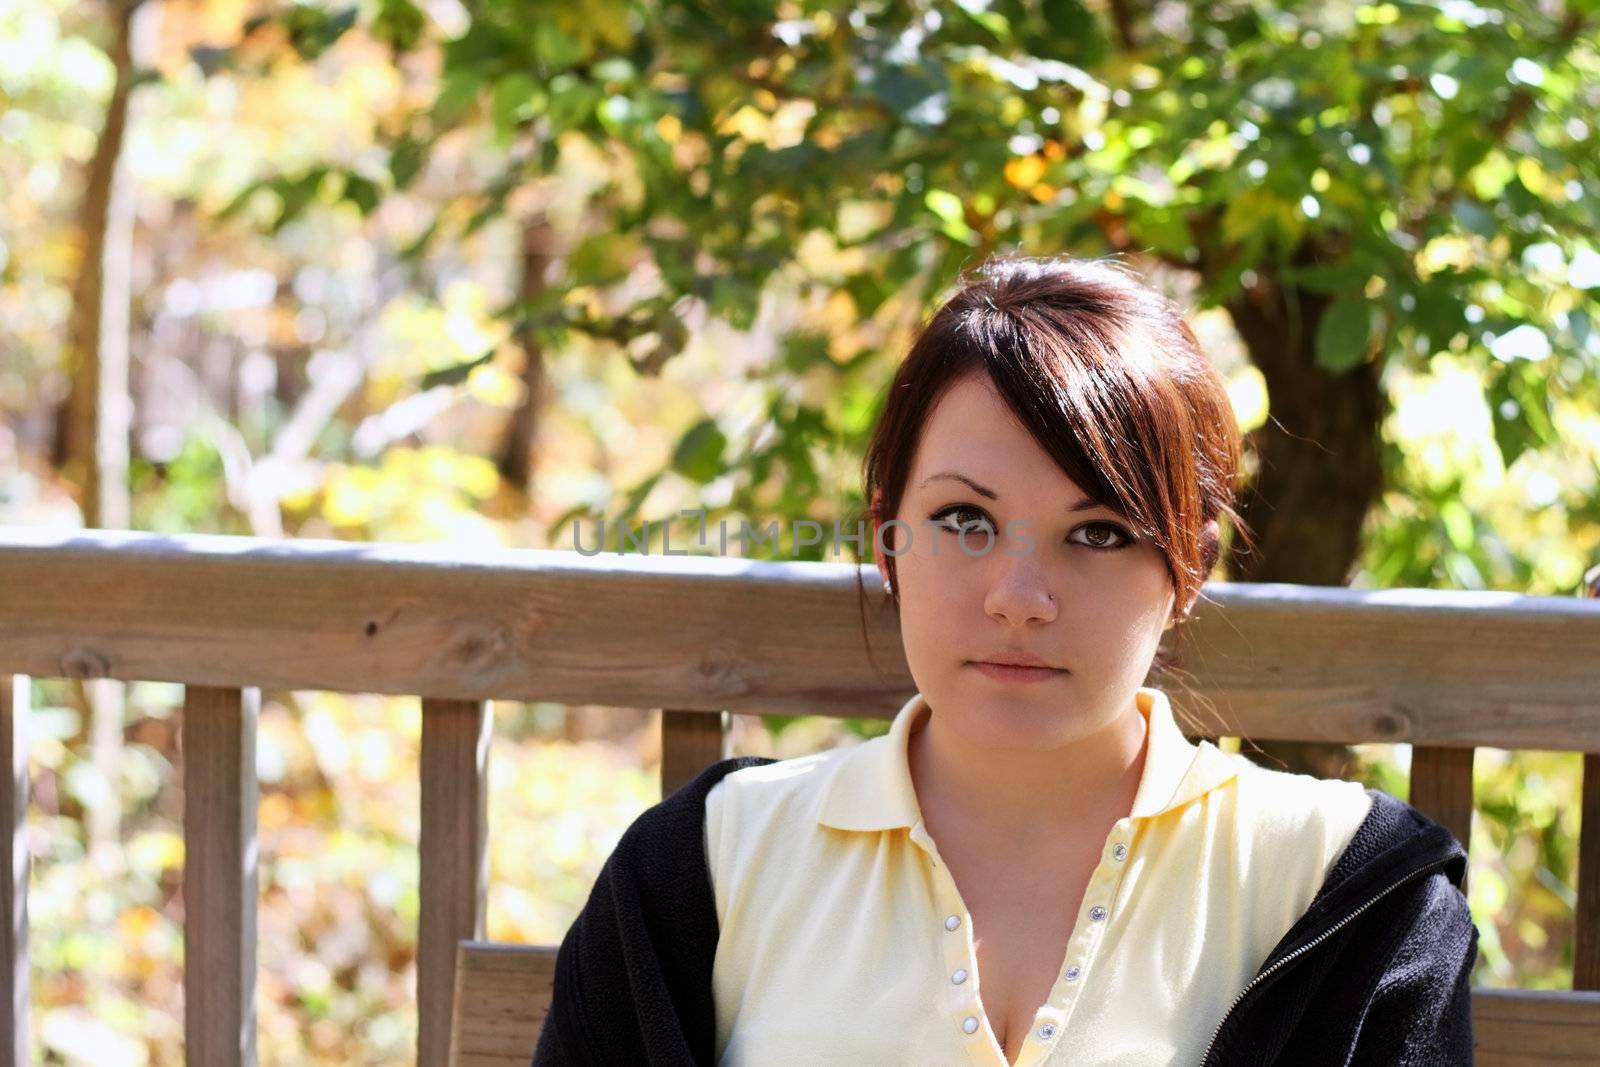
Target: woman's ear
{"x": 880, "y": 558}
{"x": 1181, "y": 615}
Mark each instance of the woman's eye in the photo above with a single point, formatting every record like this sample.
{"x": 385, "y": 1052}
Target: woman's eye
{"x": 1104, "y": 535}
{"x": 964, "y": 517}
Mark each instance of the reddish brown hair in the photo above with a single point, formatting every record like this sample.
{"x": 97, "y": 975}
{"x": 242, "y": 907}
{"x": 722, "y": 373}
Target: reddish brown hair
{"x": 1106, "y": 375}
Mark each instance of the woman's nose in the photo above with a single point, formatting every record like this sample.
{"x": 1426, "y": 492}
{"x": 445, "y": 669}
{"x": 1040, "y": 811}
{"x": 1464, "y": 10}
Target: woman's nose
{"x": 1019, "y": 596}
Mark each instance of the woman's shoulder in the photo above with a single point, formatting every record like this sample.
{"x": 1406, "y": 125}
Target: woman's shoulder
{"x": 1284, "y": 809}
{"x": 760, "y": 789}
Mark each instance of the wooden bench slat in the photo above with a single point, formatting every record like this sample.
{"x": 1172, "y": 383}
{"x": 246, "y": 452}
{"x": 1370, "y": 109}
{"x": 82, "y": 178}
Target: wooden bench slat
{"x": 504, "y": 991}
{"x": 1517, "y": 1027}
{"x": 454, "y": 857}
{"x": 15, "y": 699}
{"x": 502, "y": 996}
{"x": 219, "y": 875}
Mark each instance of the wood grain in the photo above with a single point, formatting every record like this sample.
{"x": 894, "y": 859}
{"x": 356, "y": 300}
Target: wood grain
{"x": 651, "y": 631}
{"x": 691, "y": 741}
{"x": 503, "y": 994}
{"x": 1586, "y": 956}
{"x": 454, "y": 858}
{"x": 15, "y": 698}
{"x": 1523, "y": 1028}
{"x": 219, "y": 875}
{"x": 1441, "y": 788}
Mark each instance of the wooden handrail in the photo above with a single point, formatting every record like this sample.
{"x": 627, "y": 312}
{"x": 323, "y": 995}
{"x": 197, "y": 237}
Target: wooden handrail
{"x": 699, "y": 637}
{"x": 1431, "y": 667}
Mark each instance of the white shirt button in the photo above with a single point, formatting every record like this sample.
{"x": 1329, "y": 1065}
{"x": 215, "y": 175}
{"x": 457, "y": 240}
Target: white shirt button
{"x": 960, "y": 975}
{"x": 1119, "y": 851}
{"x": 1047, "y": 1031}
{"x": 1097, "y": 913}
{"x": 970, "y": 1023}
{"x": 952, "y": 922}
{"x": 1072, "y": 973}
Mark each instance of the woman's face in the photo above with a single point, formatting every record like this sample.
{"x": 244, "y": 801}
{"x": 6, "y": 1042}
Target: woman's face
{"x": 976, "y": 466}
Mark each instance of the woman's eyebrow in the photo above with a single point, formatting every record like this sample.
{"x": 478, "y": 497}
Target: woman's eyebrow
{"x": 1083, "y": 505}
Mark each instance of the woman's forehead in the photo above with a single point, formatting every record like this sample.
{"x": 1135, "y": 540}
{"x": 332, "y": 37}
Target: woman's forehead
{"x": 972, "y": 432}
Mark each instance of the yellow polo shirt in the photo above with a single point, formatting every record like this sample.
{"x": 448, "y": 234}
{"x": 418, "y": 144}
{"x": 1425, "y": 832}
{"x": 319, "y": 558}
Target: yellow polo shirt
{"x": 844, "y": 940}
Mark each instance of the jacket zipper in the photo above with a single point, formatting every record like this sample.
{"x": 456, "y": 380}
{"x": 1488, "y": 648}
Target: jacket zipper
{"x": 1307, "y": 947}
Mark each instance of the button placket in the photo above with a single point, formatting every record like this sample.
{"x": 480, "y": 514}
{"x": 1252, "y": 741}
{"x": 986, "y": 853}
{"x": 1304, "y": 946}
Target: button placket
{"x": 1089, "y": 933}
{"x": 958, "y": 953}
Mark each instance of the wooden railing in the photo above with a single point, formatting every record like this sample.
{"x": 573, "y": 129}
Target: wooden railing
{"x": 699, "y": 637}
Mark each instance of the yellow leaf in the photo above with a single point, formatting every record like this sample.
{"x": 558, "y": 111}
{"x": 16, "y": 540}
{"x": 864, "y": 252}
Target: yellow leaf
{"x": 1024, "y": 171}
{"x": 494, "y": 385}
{"x": 1532, "y": 175}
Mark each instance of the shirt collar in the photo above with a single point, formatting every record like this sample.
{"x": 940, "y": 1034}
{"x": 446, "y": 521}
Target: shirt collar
{"x": 870, "y": 787}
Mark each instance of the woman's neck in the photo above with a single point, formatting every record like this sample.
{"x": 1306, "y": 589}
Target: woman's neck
{"x": 1010, "y": 797}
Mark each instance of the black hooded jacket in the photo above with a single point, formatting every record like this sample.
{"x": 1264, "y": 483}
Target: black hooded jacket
{"x": 1375, "y": 972}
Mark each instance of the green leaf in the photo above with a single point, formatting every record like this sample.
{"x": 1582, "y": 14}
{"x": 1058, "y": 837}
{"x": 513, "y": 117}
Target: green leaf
{"x": 458, "y": 93}
{"x": 1458, "y": 524}
{"x": 406, "y": 159}
{"x": 1472, "y": 217}
{"x": 312, "y": 29}
{"x": 362, "y": 192}
{"x": 454, "y": 375}
{"x": 399, "y": 23}
{"x": 1343, "y": 334}
{"x": 947, "y": 206}
{"x": 296, "y": 194}
{"x": 802, "y": 349}
{"x": 1325, "y": 277}
{"x": 242, "y": 198}
{"x": 698, "y": 456}
{"x": 516, "y": 97}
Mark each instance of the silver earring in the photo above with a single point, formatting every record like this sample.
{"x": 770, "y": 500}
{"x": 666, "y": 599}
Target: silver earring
{"x": 887, "y": 587}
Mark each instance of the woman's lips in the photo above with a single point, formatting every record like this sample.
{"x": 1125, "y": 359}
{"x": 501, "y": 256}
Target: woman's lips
{"x": 1001, "y": 672}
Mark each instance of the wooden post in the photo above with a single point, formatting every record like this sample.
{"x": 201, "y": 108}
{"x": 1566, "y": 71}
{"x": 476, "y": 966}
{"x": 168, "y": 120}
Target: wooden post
{"x": 14, "y": 992}
{"x": 219, "y": 875}
{"x": 691, "y": 741}
{"x": 454, "y": 859}
{"x": 1586, "y": 953}
{"x": 1441, "y": 788}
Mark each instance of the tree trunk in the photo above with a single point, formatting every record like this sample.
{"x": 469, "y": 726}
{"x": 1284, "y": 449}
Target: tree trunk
{"x": 1320, "y": 469}
{"x": 92, "y": 426}
{"x": 517, "y": 458}
{"x": 91, "y": 444}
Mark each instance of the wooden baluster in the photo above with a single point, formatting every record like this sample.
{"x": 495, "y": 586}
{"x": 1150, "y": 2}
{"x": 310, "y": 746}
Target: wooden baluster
{"x": 1441, "y": 788}
{"x": 14, "y": 991}
{"x": 219, "y": 875}
{"x": 454, "y": 858}
{"x": 691, "y": 741}
{"x": 1586, "y": 954}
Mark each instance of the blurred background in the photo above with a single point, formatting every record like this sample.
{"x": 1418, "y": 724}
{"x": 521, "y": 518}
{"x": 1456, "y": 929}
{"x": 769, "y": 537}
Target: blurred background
{"x": 463, "y": 271}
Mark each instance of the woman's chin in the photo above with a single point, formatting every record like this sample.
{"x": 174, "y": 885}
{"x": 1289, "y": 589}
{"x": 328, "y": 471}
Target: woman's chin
{"x": 1012, "y": 723}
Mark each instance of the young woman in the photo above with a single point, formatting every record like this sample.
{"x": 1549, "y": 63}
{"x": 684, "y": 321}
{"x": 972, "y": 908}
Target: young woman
{"x": 1033, "y": 865}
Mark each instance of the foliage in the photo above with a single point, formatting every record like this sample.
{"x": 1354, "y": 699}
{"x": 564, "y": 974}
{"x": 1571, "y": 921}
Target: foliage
{"x": 755, "y": 203}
